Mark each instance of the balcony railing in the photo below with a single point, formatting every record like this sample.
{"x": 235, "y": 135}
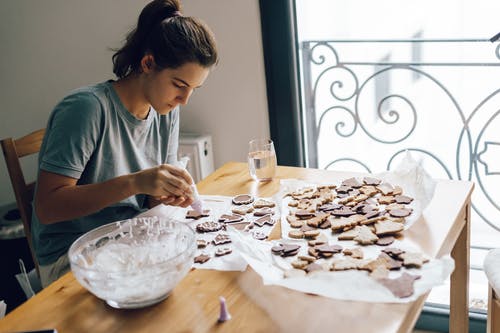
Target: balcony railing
{"x": 366, "y": 102}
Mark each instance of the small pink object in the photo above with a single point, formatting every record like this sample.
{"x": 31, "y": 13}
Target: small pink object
{"x": 224, "y": 314}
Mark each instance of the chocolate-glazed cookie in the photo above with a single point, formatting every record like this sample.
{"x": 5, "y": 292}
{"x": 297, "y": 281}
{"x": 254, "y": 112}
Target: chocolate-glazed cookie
{"x": 243, "y": 199}
{"x": 192, "y": 214}
{"x": 227, "y": 218}
{"x": 266, "y": 219}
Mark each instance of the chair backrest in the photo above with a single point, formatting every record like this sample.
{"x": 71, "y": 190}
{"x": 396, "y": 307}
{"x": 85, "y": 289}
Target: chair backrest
{"x": 13, "y": 150}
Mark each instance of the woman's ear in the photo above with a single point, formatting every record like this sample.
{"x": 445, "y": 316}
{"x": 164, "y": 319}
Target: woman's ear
{"x": 147, "y": 63}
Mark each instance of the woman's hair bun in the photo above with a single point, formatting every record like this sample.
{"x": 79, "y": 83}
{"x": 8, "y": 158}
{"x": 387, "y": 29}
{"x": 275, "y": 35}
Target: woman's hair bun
{"x": 170, "y": 37}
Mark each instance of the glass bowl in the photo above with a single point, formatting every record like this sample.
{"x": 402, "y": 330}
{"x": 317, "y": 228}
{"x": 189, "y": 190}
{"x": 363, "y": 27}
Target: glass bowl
{"x": 133, "y": 263}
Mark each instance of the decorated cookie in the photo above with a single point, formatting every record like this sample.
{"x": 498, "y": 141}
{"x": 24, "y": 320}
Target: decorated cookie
{"x": 243, "y": 199}
{"x": 201, "y": 243}
{"x": 259, "y": 235}
{"x": 221, "y": 239}
{"x": 266, "y": 219}
{"x": 242, "y": 209}
{"x": 261, "y": 203}
{"x": 226, "y": 218}
{"x": 242, "y": 225}
{"x": 263, "y": 211}
{"x": 222, "y": 251}
{"x": 192, "y": 214}
{"x": 209, "y": 226}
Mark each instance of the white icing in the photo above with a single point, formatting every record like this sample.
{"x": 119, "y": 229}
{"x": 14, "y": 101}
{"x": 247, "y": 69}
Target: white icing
{"x": 141, "y": 261}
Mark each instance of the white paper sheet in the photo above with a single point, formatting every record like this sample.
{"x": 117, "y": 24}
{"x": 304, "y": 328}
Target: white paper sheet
{"x": 218, "y": 205}
{"x": 345, "y": 285}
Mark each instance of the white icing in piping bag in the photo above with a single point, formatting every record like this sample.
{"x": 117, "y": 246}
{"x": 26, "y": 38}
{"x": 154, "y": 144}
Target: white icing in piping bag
{"x": 197, "y": 204}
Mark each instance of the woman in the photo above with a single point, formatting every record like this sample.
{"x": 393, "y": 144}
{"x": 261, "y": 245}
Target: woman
{"x": 109, "y": 149}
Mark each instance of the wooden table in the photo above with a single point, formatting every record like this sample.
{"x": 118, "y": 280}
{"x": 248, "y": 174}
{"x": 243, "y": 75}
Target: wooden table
{"x": 193, "y": 306}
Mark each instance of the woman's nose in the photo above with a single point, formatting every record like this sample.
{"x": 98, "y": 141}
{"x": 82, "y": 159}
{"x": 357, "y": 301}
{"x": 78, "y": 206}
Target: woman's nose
{"x": 183, "y": 98}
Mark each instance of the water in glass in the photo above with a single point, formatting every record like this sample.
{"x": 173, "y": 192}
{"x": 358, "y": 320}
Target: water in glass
{"x": 262, "y": 160}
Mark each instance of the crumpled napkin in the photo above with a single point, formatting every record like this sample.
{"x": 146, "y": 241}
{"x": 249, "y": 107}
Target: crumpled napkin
{"x": 413, "y": 179}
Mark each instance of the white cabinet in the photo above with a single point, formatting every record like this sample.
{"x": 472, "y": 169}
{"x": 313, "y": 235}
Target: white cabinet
{"x": 198, "y": 148}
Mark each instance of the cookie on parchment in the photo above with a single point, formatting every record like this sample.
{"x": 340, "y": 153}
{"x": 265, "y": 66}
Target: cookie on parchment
{"x": 402, "y": 286}
{"x": 242, "y": 209}
{"x": 261, "y": 203}
{"x": 243, "y": 199}
{"x": 210, "y": 226}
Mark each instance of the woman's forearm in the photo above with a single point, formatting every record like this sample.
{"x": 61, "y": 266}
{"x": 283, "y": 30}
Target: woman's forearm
{"x": 68, "y": 201}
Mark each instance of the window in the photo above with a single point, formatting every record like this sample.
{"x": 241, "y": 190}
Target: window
{"x": 377, "y": 78}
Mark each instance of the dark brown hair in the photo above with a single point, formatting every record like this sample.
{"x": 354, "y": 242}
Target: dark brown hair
{"x": 172, "y": 39}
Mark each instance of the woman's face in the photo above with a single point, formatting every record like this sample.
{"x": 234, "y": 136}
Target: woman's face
{"x": 167, "y": 88}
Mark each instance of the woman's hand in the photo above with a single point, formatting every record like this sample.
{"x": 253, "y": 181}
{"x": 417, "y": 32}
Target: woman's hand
{"x": 166, "y": 183}
{"x": 175, "y": 201}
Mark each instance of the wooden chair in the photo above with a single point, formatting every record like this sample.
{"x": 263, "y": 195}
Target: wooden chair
{"x": 13, "y": 150}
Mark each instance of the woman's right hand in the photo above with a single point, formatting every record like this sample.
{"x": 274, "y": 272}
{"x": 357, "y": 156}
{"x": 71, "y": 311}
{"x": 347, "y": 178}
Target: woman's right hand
{"x": 165, "y": 181}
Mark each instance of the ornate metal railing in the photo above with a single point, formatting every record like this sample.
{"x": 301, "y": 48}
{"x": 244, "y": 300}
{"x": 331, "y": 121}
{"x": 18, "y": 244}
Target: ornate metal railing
{"x": 366, "y": 102}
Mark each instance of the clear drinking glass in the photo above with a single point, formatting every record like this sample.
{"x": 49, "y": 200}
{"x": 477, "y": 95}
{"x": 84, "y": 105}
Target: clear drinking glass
{"x": 261, "y": 159}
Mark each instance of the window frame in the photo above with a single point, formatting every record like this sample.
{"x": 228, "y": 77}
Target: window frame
{"x": 279, "y": 41}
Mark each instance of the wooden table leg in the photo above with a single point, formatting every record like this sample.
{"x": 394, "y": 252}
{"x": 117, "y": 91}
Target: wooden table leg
{"x": 493, "y": 324}
{"x": 459, "y": 288}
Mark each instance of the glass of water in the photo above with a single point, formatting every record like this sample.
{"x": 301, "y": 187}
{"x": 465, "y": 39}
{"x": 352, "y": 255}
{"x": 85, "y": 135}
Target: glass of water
{"x": 261, "y": 159}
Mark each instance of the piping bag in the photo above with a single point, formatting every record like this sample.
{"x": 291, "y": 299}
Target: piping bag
{"x": 197, "y": 204}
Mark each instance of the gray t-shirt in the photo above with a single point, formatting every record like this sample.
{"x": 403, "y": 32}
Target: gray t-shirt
{"x": 90, "y": 136}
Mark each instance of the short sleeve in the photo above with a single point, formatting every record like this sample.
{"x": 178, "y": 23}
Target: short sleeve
{"x": 72, "y": 134}
{"x": 173, "y": 137}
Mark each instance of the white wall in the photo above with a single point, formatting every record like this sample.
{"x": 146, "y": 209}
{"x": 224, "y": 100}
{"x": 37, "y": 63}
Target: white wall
{"x": 49, "y": 47}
